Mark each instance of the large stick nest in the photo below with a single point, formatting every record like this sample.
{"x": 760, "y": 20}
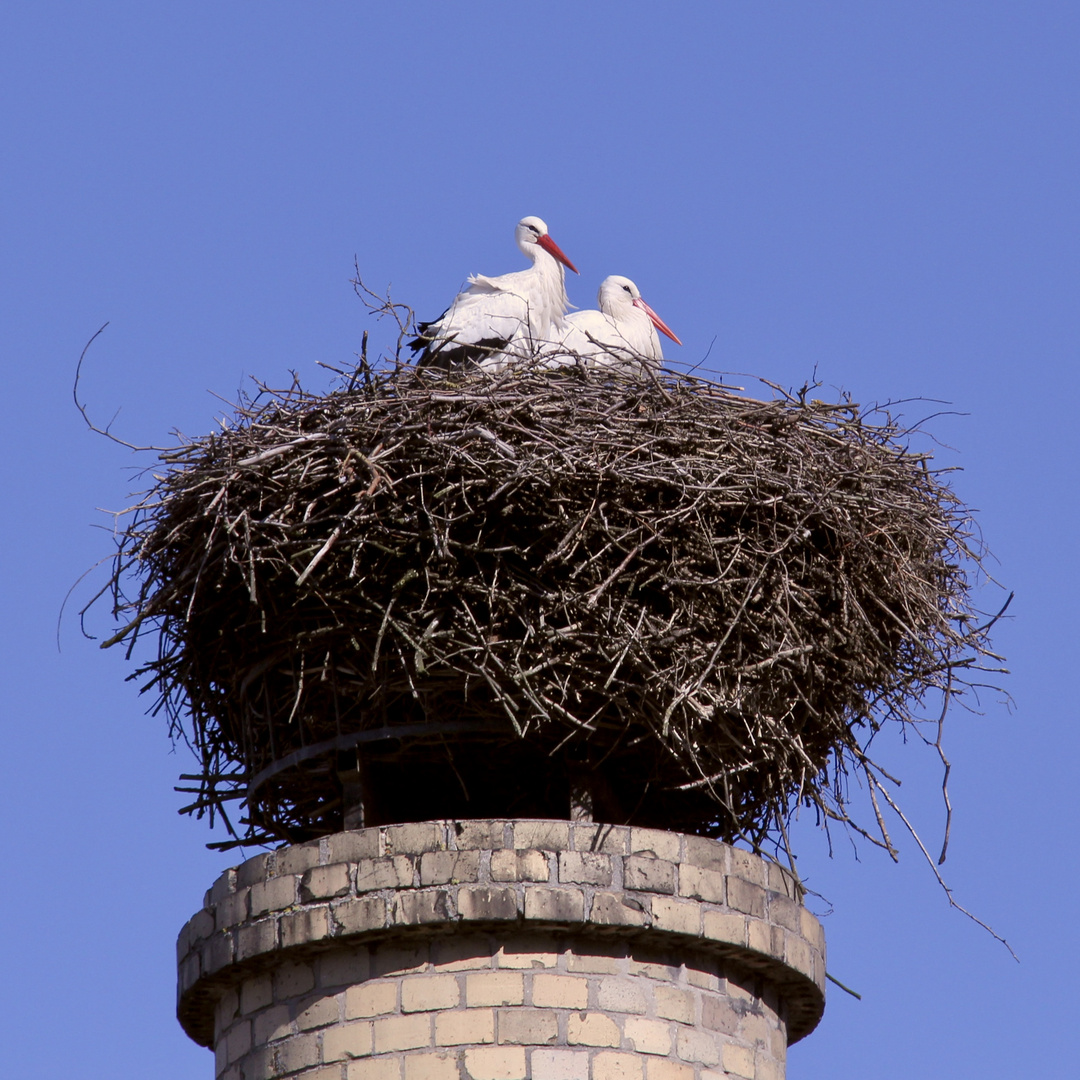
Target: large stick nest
{"x": 676, "y": 605}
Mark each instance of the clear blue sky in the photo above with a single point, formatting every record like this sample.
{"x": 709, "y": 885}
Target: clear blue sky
{"x": 887, "y": 193}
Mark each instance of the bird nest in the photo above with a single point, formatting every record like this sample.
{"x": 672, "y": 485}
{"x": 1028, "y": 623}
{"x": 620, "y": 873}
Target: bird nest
{"x": 554, "y": 594}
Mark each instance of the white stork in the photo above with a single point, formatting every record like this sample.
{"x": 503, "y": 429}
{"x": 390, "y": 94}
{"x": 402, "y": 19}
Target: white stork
{"x": 621, "y": 335}
{"x": 512, "y": 314}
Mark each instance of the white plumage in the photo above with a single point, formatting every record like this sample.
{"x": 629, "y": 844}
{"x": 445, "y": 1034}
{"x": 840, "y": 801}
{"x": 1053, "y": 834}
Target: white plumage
{"x": 511, "y": 314}
{"x": 621, "y": 335}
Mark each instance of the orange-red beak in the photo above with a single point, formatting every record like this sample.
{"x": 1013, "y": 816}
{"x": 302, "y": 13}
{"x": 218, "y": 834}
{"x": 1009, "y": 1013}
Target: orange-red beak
{"x": 657, "y": 321}
{"x": 554, "y": 250}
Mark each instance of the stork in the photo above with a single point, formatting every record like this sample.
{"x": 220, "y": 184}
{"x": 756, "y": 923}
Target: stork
{"x": 511, "y": 314}
{"x": 621, "y": 335}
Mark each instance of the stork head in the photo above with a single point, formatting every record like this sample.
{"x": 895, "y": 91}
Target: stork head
{"x": 532, "y": 233}
{"x": 618, "y": 293}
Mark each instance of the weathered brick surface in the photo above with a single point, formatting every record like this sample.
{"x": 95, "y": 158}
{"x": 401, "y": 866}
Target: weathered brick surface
{"x": 371, "y": 999}
{"x": 705, "y": 854}
{"x": 460, "y": 954}
{"x": 545, "y": 835}
{"x": 188, "y": 973}
{"x": 256, "y": 938}
{"x": 416, "y": 908}
{"x": 747, "y": 897}
{"x": 618, "y": 909}
{"x": 554, "y": 905}
{"x": 225, "y": 884}
{"x": 536, "y": 1027}
{"x": 738, "y": 1061}
{"x": 560, "y": 1065}
{"x": 601, "y": 839}
{"x": 300, "y": 927}
{"x": 485, "y": 902}
{"x": 748, "y": 867}
{"x": 493, "y": 950}
{"x": 658, "y": 1069}
{"x": 273, "y": 1024}
{"x": 199, "y": 927}
{"x": 296, "y": 859}
{"x": 465, "y": 1027}
{"x": 611, "y": 1065}
{"x": 401, "y": 957}
{"x": 656, "y": 844}
{"x": 622, "y": 995}
{"x": 350, "y": 847}
{"x": 232, "y": 909}
{"x": 379, "y": 1068}
{"x": 765, "y": 938}
{"x": 272, "y": 895}
{"x": 785, "y": 912}
{"x": 217, "y": 952}
{"x": 324, "y": 882}
{"x": 560, "y": 992}
{"x": 721, "y": 1014}
{"x": 414, "y": 839}
{"x": 247, "y": 873}
{"x": 402, "y": 1032}
{"x": 495, "y": 988}
{"x": 256, "y": 993}
{"x": 650, "y": 875}
{"x": 648, "y": 1036}
{"x": 798, "y": 954}
{"x": 359, "y": 916}
{"x": 679, "y": 916}
{"x": 486, "y": 835}
{"x": 496, "y": 1063}
{"x": 318, "y": 1013}
{"x": 432, "y": 992}
{"x": 695, "y": 1045}
{"x": 347, "y": 1041}
{"x": 238, "y": 1041}
{"x": 431, "y": 1067}
{"x": 291, "y": 979}
{"x": 674, "y": 1003}
{"x": 394, "y": 872}
{"x": 323, "y": 1072}
{"x": 721, "y": 926}
{"x": 519, "y": 866}
{"x": 529, "y": 953}
{"x": 592, "y": 1029}
{"x": 344, "y": 967}
{"x": 443, "y": 867}
{"x": 297, "y": 1052}
{"x": 699, "y": 884}
{"x": 584, "y": 868}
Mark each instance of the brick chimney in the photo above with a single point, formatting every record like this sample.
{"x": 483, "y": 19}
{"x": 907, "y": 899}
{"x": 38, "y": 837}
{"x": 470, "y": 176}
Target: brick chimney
{"x": 502, "y": 950}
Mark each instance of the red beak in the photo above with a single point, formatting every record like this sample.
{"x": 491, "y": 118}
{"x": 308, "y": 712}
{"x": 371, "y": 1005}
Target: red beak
{"x": 657, "y": 321}
{"x": 553, "y": 249}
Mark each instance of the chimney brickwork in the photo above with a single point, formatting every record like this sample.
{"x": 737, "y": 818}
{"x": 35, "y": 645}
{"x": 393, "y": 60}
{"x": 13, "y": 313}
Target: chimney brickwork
{"x": 502, "y": 950}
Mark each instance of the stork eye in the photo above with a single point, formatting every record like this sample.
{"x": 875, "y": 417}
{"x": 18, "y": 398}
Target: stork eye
{"x": 626, "y": 288}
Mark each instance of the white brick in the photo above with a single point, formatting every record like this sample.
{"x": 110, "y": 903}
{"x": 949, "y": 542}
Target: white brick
{"x": 460, "y": 1027}
{"x": 431, "y": 1067}
{"x": 423, "y": 993}
{"x": 560, "y": 1065}
{"x": 618, "y": 995}
{"x": 648, "y": 1036}
{"x": 496, "y": 1063}
{"x": 495, "y": 988}
{"x": 560, "y": 992}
